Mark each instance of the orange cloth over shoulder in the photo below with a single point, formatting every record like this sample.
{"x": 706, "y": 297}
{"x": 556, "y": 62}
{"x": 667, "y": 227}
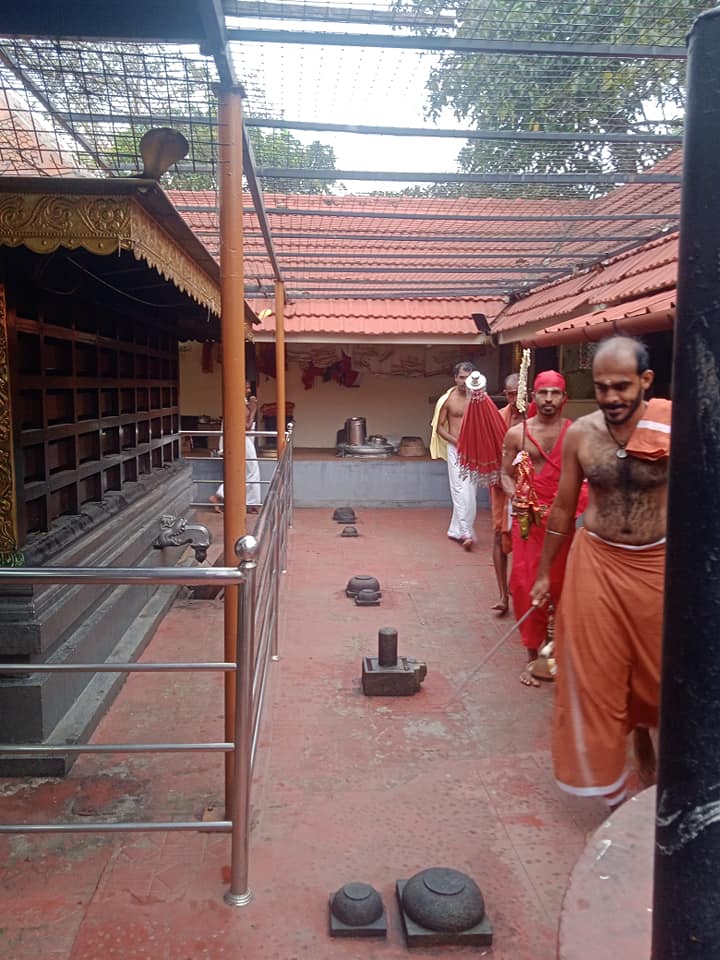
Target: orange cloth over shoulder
{"x": 651, "y": 438}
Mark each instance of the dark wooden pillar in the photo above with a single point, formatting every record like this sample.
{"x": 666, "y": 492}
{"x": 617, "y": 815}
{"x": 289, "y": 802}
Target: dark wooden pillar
{"x": 686, "y": 913}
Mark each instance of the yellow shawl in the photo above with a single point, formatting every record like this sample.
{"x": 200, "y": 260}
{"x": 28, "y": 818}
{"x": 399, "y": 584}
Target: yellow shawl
{"x": 438, "y": 446}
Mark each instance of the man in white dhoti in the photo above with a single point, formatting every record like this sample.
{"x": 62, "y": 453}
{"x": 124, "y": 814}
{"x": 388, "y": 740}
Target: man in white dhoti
{"x": 446, "y": 426}
{"x": 252, "y": 467}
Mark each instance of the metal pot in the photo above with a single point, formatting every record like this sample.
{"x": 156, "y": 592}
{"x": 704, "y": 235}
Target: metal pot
{"x": 355, "y": 430}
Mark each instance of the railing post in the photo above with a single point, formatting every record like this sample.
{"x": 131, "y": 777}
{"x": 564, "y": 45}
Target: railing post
{"x": 277, "y": 554}
{"x": 291, "y": 474}
{"x": 232, "y": 325}
{"x": 280, "y": 364}
{"x": 239, "y": 894}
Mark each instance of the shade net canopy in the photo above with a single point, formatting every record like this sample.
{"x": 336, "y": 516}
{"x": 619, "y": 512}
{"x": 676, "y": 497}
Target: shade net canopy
{"x": 397, "y": 150}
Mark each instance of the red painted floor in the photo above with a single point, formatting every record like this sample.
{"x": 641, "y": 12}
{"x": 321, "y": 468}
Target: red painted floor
{"x": 346, "y": 787}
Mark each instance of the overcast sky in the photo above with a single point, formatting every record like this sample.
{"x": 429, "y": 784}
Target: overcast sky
{"x": 349, "y": 85}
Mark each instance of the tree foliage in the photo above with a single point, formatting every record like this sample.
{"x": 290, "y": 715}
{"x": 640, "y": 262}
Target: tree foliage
{"x": 573, "y": 94}
{"x": 284, "y": 150}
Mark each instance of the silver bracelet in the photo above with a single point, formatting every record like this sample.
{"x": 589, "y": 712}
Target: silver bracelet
{"x": 556, "y": 533}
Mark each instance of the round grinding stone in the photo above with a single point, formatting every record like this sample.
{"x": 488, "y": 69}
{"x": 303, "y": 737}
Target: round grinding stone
{"x": 361, "y": 581}
{"x": 443, "y": 899}
{"x": 357, "y": 904}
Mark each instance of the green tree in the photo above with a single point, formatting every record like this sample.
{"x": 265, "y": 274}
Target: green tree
{"x": 281, "y": 149}
{"x": 573, "y": 94}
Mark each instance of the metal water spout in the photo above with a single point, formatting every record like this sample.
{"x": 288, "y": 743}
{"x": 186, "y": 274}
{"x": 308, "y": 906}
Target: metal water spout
{"x": 177, "y": 532}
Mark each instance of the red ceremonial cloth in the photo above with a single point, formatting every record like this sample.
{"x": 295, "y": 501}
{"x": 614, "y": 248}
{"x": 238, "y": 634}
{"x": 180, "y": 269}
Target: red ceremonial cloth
{"x": 480, "y": 441}
{"x": 549, "y": 378}
{"x": 527, "y": 552}
{"x": 526, "y": 560}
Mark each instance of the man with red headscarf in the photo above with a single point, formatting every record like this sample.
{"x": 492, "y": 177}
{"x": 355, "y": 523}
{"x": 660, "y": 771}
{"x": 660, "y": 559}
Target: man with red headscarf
{"x": 530, "y": 477}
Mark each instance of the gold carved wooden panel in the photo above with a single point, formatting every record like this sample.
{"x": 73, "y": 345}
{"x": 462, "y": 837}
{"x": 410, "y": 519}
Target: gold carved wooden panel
{"x": 9, "y": 553}
{"x": 103, "y": 225}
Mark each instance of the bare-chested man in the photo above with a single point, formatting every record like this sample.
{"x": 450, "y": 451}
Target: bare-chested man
{"x": 530, "y": 477}
{"x": 609, "y": 625}
{"x": 500, "y": 505}
{"x": 462, "y": 490}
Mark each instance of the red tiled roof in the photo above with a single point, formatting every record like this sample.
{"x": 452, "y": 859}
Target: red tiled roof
{"x": 479, "y": 206}
{"x": 342, "y": 224}
{"x": 646, "y": 314}
{"x": 648, "y": 269}
{"x": 636, "y": 198}
{"x": 410, "y": 317}
{"x": 328, "y": 215}
{"x": 26, "y": 149}
{"x": 335, "y": 261}
{"x": 315, "y": 234}
{"x": 638, "y": 263}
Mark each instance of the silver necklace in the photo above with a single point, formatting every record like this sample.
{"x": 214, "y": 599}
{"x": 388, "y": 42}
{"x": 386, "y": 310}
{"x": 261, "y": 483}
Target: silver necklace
{"x": 621, "y": 453}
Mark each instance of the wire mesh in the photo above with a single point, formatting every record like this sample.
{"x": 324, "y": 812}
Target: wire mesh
{"x": 102, "y": 98}
{"x": 566, "y": 21}
{"x": 73, "y": 108}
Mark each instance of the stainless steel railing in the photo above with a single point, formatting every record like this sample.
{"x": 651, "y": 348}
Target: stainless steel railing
{"x": 262, "y": 558}
{"x": 217, "y": 456}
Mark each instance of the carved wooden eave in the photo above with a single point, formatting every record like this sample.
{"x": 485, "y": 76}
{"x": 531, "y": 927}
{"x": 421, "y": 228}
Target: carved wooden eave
{"x": 107, "y": 216}
{"x": 150, "y": 243}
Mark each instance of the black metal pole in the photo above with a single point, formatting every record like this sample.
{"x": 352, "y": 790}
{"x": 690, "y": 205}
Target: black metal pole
{"x": 686, "y": 912}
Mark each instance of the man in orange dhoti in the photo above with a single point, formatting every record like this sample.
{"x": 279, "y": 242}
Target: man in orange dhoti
{"x": 609, "y": 624}
{"x": 500, "y": 506}
{"x": 531, "y": 474}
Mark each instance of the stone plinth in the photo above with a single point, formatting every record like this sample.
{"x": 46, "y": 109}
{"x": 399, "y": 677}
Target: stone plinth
{"x": 607, "y": 911}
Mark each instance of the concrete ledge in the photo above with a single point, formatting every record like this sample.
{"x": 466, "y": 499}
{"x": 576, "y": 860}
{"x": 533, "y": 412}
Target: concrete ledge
{"x": 607, "y": 910}
{"x": 339, "y": 481}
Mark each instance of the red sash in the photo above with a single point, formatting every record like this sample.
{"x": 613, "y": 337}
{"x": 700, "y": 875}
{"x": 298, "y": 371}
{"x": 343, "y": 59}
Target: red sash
{"x": 546, "y": 482}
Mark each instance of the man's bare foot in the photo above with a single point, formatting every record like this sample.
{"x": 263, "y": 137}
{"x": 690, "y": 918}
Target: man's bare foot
{"x": 501, "y": 607}
{"x": 467, "y": 544}
{"x": 215, "y": 500}
{"x": 527, "y": 679}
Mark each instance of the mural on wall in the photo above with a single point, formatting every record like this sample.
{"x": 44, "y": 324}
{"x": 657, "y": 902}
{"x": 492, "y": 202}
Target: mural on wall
{"x": 344, "y": 365}
{"x": 10, "y": 556}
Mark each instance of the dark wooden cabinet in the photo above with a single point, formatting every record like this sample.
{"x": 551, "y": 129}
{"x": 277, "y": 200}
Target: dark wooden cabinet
{"x": 95, "y": 408}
